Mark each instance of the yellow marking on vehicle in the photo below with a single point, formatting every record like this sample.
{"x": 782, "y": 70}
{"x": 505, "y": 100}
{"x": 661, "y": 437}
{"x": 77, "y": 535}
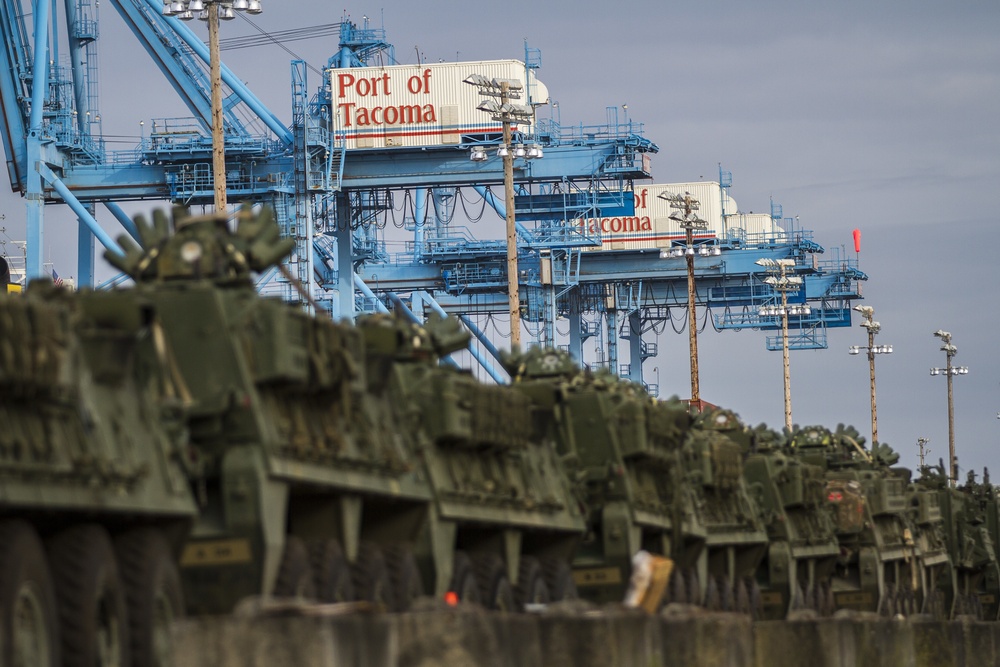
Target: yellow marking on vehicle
{"x": 216, "y": 552}
{"x": 597, "y": 576}
{"x": 771, "y": 598}
{"x": 855, "y": 599}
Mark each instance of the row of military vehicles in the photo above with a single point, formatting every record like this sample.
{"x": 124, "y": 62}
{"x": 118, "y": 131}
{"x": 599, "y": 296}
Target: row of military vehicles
{"x": 183, "y": 444}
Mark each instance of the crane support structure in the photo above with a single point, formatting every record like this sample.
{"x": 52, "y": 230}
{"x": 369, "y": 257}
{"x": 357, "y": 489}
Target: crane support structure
{"x": 592, "y": 250}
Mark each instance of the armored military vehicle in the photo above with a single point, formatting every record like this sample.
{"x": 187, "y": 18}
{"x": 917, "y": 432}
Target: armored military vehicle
{"x": 305, "y": 486}
{"x": 504, "y": 522}
{"x": 969, "y": 534}
{"x": 737, "y": 538}
{"x": 881, "y": 567}
{"x": 623, "y": 450}
{"x": 802, "y": 536}
{"x": 95, "y": 502}
{"x": 653, "y": 477}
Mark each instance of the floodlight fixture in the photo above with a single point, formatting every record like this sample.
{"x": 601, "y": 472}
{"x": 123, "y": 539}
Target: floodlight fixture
{"x": 949, "y": 371}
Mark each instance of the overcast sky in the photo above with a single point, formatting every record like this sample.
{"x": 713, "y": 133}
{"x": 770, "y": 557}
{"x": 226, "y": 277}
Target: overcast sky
{"x": 876, "y": 115}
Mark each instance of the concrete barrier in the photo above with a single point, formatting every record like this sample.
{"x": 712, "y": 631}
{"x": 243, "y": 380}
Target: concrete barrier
{"x": 576, "y": 637}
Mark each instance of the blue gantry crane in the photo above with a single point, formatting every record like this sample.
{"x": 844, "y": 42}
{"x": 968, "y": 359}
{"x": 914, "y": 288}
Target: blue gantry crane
{"x": 355, "y": 176}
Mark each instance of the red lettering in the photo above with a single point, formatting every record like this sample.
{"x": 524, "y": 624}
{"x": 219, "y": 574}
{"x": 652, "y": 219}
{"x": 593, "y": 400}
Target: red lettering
{"x": 345, "y": 111}
{"x": 363, "y": 87}
{"x": 420, "y": 84}
{"x": 640, "y": 198}
{"x": 344, "y": 81}
{"x": 352, "y": 114}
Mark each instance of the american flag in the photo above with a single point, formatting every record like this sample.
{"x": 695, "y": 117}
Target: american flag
{"x": 56, "y": 279}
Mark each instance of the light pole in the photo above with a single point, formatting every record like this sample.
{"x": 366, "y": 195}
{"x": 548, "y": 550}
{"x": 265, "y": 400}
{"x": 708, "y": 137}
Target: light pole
{"x": 689, "y": 221}
{"x": 867, "y": 312}
{"x": 212, "y": 11}
{"x": 507, "y": 113}
{"x": 783, "y": 283}
{"x": 948, "y": 371}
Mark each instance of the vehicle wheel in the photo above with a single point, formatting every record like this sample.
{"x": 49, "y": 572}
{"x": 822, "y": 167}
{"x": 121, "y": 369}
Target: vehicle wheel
{"x": 93, "y": 618}
{"x": 934, "y": 604}
{"x": 798, "y": 596}
{"x": 559, "y": 579}
{"x": 713, "y": 601}
{"x": 812, "y": 598}
{"x": 370, "y": 576}
{"x": 693, "y": 586}
{"x": 960, "y": 605}
{"x": 976, "y": 606}
{"x": 295, "y": 575}
{"x": 28, "y": 626}
{"x": 756, "y": 600}
{"x": 531, "y": 587}
{"x": 888, "y": 606}
{"x": 741, "y": 597}
{"x": 404, "y": 576}
{"x": 331, "y": 571}
{"x": 153, "y": 594}
{"x": 676, "y": 590}
{"x": 906, "y": 602}
{"x": 494, "y": 586}
{"x": 725, "y": 593}
{"x": 827, "y": 602}
{"x": 463, "y": 579}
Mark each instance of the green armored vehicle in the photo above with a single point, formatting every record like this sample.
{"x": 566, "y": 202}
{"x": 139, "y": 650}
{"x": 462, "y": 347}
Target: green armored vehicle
{"x": 881, "y": 567}
{"x": 969, "y": 525}
{"x": 802, "y": 535}
{"x": 737, "y": 540}
{"x": 504, "y": 522}
{"x": 95, "y": 502}
{"x": 305, "y": 488}
{"x": 626, "y": 452}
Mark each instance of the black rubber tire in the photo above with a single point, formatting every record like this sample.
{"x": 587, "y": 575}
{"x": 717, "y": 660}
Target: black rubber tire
{"x": 828, "y": 603}
{"x": 153, "y": 594}
{"x": 26, "y": 594}
{"x": 726, "y": 593}
{"x": 888, "y": 606}
{"x": 907, "y": 602}
{"x": 693, "y": 585}
{"x": 976, "y": 606}
{"x": 676, "y": 590}
{"x": 713, "y": 599}
{"x": 812, "y": 598}
{"x": 331, "y": 571}
{"x": 295, "y": 576}
{"x": 934, "y": 605}
{"x": 370, "y": 576}
{"x": 798, "y": 596}
{"x": 404, "y": 577}
{"x": 90, "y": 598}
{"x": 531, "y": 587}
{"x": 756, "y": 599}
{"x": 559, "y": 579}
{"x": 463, "y": 579}
{"x": 495, "y": 590}
{"x": 741, "y": 598}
